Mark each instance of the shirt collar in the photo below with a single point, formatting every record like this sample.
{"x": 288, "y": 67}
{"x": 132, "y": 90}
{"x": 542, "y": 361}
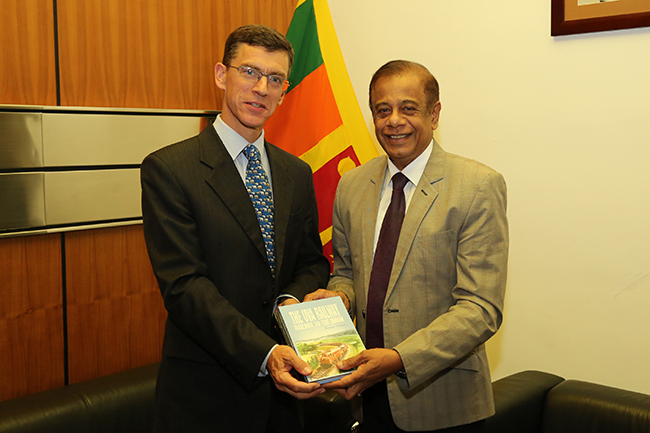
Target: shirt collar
{"x": 414, "y": 170}
{"x": 234, "y": 142}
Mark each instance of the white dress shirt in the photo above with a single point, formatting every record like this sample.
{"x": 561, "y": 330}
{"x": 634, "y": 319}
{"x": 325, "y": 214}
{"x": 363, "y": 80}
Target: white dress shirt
{"x": 235, "y": 144}
{"x": 413, "y": 173}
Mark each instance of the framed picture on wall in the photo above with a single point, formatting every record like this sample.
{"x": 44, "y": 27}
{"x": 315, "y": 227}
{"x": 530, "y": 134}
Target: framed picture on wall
{"x": 570, "y": 17}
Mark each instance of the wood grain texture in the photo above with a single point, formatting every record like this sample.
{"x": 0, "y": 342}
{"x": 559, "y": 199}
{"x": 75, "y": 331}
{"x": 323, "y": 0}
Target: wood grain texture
{"x": 27, "y": 75}
{"x": 31, "y": 315}
{"x": 112, "y": 53}
{"x": 151, "y": 53}
{"x": 115, "y": 311}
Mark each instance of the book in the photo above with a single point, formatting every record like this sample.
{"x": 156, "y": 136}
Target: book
{"x": 322, "y": 334}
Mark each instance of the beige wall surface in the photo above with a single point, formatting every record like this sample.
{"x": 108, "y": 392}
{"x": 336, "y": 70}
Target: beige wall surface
{"x": 566, "y": 121}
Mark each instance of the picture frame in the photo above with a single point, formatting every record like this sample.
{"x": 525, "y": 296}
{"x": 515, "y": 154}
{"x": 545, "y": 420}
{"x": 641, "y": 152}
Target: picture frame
{"x": 570, "y": 17}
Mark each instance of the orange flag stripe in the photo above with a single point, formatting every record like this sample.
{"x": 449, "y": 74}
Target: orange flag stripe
{"x": 306, "y": 127}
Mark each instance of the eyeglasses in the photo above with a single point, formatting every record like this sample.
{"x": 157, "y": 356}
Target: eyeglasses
{"x": 276, "y": 82}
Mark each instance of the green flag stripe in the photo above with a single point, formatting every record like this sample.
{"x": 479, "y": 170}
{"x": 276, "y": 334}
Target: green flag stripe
{"x": 303, "y": 36}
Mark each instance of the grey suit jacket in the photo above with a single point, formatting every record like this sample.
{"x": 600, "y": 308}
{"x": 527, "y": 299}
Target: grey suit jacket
{"x": 446, "y": 290}
{"x": 208, "y": 255}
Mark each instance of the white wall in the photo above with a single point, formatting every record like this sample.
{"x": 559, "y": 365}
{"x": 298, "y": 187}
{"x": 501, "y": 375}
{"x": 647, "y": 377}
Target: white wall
{"x": 567, "y": 121}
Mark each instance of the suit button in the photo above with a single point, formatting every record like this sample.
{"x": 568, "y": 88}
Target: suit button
{"x": 266, "y": 304}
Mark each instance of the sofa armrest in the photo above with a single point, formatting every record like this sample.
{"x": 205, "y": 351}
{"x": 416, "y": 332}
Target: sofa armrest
{"x": 575, "y": 406}
{"x": 519, "y": 401}
{"x": 118, "y": 402}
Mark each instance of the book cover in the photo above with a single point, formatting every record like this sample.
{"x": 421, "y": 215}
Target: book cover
{"x": 322, "y": 333}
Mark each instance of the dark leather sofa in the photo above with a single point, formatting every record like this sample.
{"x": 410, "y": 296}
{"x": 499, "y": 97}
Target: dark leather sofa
{"x": 526, "y": 402}
{"x": 537, "y": 402}
{"x": 123, "y": 403}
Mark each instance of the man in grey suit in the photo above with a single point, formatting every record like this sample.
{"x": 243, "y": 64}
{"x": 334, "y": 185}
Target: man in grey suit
{"x": 425, "y": 367}
{"x": 223, "y": 262}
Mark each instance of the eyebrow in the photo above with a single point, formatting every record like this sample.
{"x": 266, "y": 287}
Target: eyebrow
{"x": 401, "y": 103}
{"x": 409, "y": 101}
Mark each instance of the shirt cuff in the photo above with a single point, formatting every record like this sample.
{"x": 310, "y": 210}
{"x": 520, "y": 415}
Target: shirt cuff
{"x": 281, "y": 297}
{"x": 263, "y": 370}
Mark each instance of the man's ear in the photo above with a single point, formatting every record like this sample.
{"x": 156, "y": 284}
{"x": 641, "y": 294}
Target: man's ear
{"x": 284, "y": 92}
{"x": 285, "y": 87}
{"x": 435, "y": 115}
{"x": 220, "y": 75}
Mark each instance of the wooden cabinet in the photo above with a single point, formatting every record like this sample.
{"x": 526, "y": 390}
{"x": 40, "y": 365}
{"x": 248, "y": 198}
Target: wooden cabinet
{"x": 31, "y": 315}
{"x": 96, "y": 309}
{"x": 122, "y": 53}
{"x": 27, "y": 53}
{"x": 115, "y": 313}
{"x": 152, "y": 53}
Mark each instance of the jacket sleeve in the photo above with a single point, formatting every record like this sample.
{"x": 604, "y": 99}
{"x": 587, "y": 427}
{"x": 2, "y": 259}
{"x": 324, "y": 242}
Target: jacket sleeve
{"x": 342, "y": 279}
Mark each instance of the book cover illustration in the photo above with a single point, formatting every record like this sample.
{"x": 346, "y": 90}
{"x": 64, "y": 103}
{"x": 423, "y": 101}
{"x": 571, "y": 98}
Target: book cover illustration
{"x": 322, "y": 333}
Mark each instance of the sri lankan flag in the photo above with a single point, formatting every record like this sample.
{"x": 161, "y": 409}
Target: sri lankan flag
{"x": 320, "y": 120}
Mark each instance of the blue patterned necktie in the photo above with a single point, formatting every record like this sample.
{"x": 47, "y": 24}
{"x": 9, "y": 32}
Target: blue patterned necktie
{"x": 259, "y": 189}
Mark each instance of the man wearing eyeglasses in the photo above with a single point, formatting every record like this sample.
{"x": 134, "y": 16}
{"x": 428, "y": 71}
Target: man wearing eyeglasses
{"x": 232, "y": 231}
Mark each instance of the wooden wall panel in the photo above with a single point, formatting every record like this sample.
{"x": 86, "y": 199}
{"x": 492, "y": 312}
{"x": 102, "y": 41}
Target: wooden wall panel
{"x": 27, "y": 75}
{"x": 112, "y": 53}
{"x": 31, "y": 315}
{"x": 115, "y": 311}
{"x": 152, "y": 53}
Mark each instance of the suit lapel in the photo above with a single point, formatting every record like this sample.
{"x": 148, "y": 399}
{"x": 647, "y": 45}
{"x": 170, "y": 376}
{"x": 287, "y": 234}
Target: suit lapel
{"x": 424, "y": 197}
{"x": 283, "y": 187}
{"x": 225, "y": 180}
{"x": 373, "y": 191}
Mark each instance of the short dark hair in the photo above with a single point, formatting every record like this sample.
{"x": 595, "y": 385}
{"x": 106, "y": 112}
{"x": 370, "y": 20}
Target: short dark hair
{"x": 399, "y": 67}
{"x": 256, "y": 35}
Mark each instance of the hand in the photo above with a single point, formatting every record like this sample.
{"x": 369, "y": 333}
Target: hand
{"x": 373, "y": 366}
{"x": 324, "y": 293}
{"x": 280, "y": 363}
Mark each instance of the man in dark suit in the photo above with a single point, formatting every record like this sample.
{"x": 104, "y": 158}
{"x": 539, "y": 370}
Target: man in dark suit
{"x": 220, "y": 268}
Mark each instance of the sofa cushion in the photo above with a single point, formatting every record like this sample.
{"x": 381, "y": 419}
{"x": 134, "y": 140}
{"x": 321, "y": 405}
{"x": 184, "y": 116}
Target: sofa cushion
{"x": 575, "y": 407}
{"x": 519, "y": 401}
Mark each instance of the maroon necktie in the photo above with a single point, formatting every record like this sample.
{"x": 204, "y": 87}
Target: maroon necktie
{"x": 383, "y": 263}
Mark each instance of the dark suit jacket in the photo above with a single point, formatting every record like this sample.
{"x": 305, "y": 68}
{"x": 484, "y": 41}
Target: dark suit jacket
{"x": 207, "y": 252}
